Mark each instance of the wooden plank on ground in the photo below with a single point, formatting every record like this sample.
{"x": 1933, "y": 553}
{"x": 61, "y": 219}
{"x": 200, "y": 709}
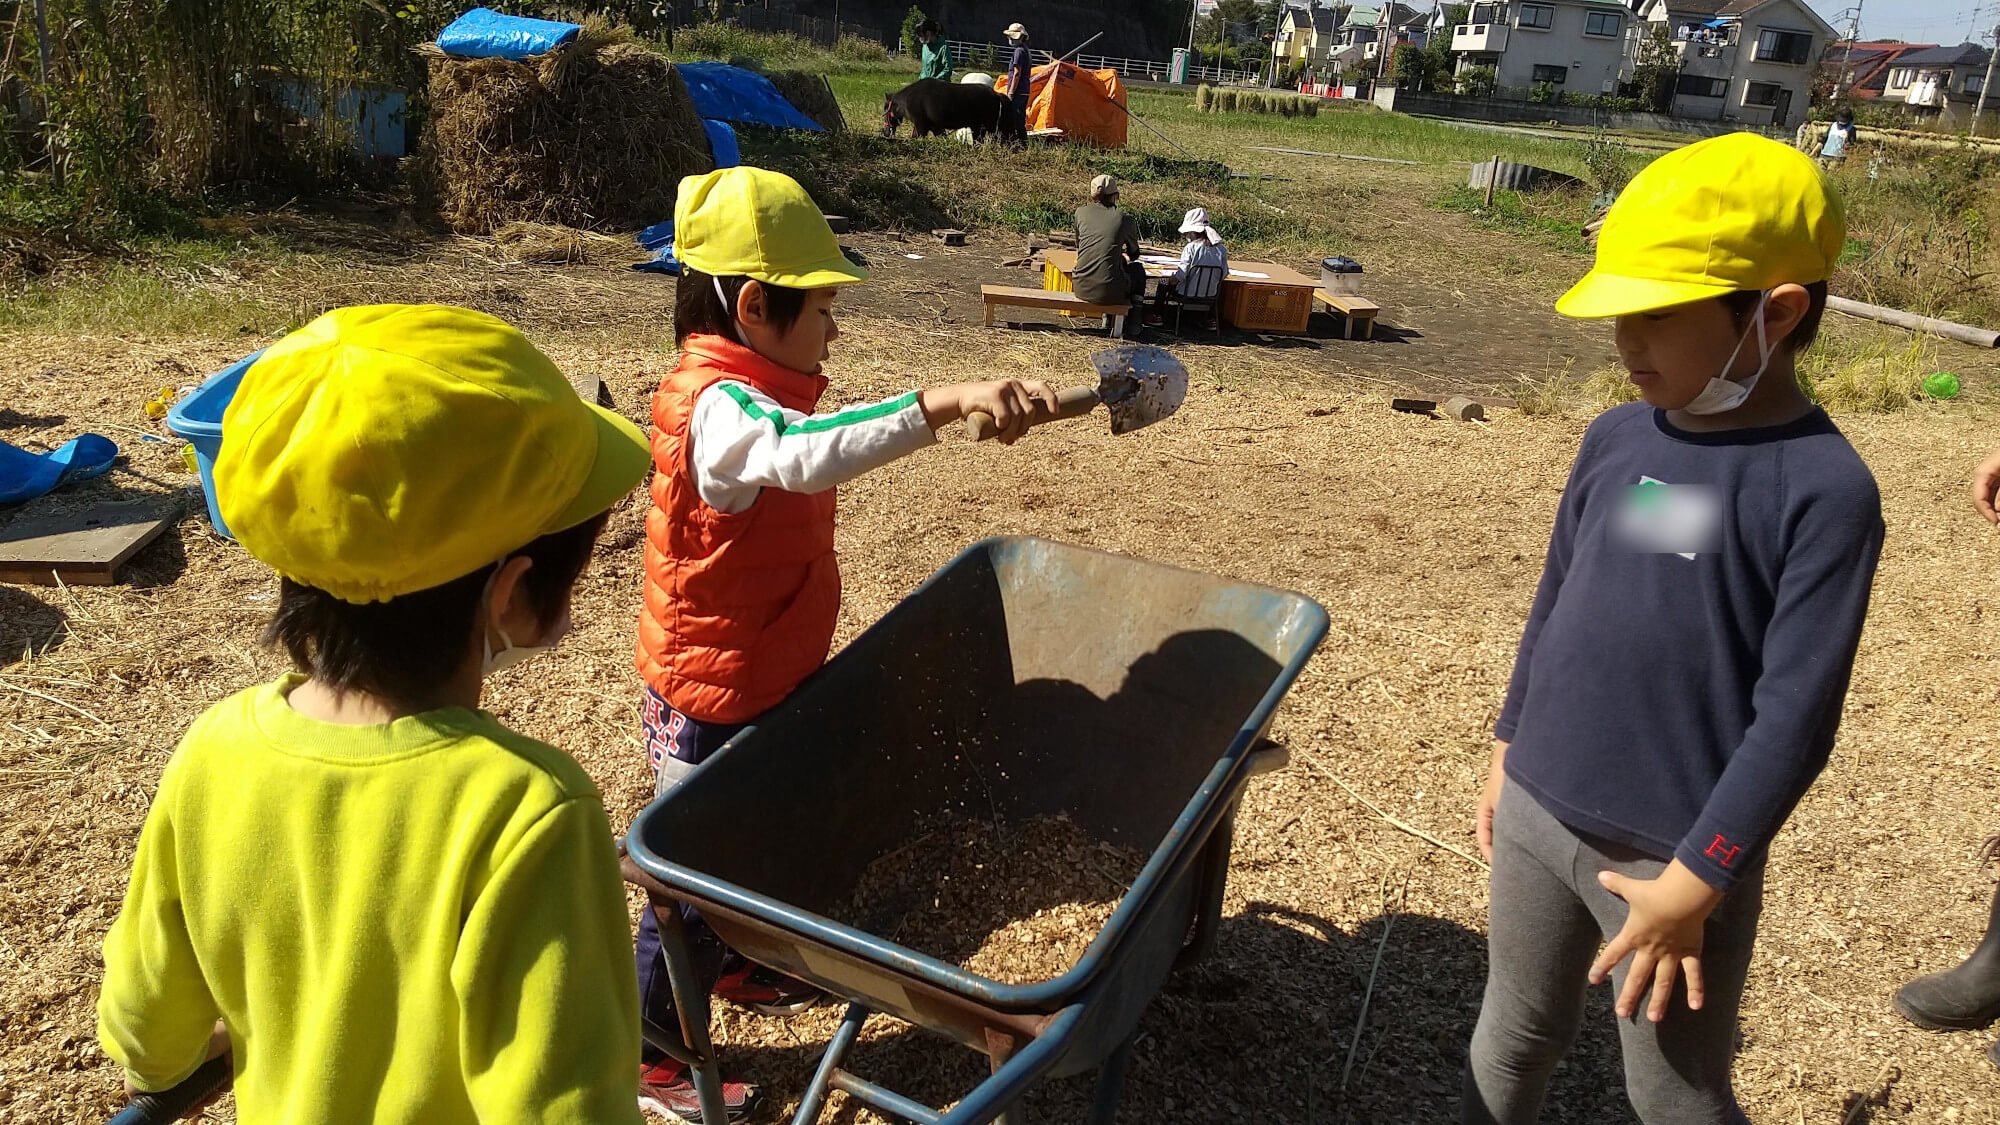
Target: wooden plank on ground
{"x": 84, "y": 548}
{"x": 1335, "y": 155}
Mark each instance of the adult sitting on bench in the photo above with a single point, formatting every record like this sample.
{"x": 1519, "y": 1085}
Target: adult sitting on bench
{"x": 1107, "y": 252}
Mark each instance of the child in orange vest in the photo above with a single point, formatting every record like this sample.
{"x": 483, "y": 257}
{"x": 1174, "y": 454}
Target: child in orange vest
{"x": 742, "y": 589}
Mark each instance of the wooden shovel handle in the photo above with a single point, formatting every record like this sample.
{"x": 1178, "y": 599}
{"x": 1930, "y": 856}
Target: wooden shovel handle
{"x": 1073, "y": 402}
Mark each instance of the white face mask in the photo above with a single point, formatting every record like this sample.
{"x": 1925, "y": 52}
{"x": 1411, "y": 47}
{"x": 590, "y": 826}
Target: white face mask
{"x": 729, "y": 306}
{"x": 1721, "y": 394}
{"x": 510, "y": 653}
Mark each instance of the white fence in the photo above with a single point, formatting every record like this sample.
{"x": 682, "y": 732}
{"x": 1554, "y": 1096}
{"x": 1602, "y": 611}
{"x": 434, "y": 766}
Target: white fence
{"x": 974, "y": 56}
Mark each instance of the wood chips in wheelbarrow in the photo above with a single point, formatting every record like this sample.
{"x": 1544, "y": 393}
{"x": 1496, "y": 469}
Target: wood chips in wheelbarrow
{"x": 1014, "y": 902}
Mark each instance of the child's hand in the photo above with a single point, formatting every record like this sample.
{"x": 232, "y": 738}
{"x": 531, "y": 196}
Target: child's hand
{"x": 1010, "y": 403}
{"x": 1489, "y": 801}
{"x": 1985, "y": 481}
{"x": 218, "y": 1045}
{"x": 1662, "y": 935}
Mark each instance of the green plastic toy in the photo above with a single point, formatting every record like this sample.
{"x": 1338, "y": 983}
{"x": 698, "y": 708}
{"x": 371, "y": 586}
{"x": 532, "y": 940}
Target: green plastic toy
{"x": 1941, "y": 384}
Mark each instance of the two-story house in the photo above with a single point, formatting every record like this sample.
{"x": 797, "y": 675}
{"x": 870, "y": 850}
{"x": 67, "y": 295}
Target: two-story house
{"x": 1861, "y": 70}
{"x": 1307, "y": 35}
{"x": 1576, "y": 46}
{"x": 1373, "y": 28}
{"x": 1941, "y": 81}
{"x": 1743, "y": 60}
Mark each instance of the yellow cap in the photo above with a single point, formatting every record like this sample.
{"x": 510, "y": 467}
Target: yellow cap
{"x": 385, "y": 449}
{"x": 1732, "y": 213}
{"x": 748, "y": 222}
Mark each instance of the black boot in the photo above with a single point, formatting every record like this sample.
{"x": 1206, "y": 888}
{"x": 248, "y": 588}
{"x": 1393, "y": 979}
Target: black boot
{"x": 1960, "y": 998}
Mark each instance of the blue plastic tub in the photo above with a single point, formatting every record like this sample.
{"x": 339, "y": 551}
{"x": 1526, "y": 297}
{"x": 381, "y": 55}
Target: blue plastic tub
{"x": 198, "y": 418}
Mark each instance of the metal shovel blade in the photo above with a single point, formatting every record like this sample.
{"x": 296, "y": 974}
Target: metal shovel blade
{"x": 1139, "y": 384}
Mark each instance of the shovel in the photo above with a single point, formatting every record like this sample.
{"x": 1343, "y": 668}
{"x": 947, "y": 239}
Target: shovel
{"x": 1137, "y": 383}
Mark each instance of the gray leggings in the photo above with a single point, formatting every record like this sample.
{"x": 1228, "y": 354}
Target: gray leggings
{"x": 1547, "y": 921}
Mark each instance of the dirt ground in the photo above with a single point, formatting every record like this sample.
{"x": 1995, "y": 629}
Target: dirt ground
{"x": 1423, "y": 539}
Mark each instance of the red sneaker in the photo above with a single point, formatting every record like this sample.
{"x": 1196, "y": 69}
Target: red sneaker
{"x": 667, "y": 1088}
{"x": 767, "y": 991}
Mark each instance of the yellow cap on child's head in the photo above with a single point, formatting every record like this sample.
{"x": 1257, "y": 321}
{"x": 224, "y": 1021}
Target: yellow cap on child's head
{"x": 386, "y": 449}
{"x": 749, "y": 222}
{"x": 1732, "y": 213}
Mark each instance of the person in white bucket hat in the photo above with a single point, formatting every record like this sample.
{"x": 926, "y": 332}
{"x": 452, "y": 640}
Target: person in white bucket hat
{"x": 1020, "y": 69}
{"x": 1203, "y": 247}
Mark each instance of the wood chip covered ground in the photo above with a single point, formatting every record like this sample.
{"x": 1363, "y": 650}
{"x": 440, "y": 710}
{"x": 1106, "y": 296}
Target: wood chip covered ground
{"x": 1422, "y": 537}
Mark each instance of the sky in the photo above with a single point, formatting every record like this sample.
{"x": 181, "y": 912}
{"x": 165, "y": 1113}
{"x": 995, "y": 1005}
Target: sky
{"x": 1915, "y": 21}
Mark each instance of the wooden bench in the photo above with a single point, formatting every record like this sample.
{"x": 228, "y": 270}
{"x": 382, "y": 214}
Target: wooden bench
{"x": 1357, "y": 310}
{"x": 1050, "y": 299}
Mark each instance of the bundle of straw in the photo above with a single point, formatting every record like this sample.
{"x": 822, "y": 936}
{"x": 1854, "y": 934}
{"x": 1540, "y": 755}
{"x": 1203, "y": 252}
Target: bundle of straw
{"x": 595, "y": 134}
{"x": 810, "y": 95}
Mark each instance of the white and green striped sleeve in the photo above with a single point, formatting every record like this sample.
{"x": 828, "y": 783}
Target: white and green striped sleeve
{"x": 743, "y": 441}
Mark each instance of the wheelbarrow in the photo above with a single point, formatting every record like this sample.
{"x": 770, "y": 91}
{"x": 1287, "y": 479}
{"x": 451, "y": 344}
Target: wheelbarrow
{"x": 1026, "y": 678}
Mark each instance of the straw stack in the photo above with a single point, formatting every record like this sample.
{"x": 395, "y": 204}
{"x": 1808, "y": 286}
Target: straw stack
{"x": 595, "y": 134}
{"x": 810, "y": 95}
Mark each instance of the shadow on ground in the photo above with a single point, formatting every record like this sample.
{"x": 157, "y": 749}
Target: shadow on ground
{"x": 1263, "y": 1030}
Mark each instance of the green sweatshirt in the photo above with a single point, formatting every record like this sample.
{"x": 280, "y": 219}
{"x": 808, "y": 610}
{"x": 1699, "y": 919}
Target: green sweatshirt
{"x": 419, "y": 921}
{"x": 936, "y": 58}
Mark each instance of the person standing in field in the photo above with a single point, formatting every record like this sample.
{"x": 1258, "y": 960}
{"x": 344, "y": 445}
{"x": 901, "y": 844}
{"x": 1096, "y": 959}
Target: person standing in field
{"x": 742, "y": 588}
{"x": 1680, "y": 679}
{"x": 934, "y": 51}
{"x": 1108, "y": 270}
{"x": 1020, "y": 69}
{"x": 1966, "y": 997}
{"x": 1838, "y": 136}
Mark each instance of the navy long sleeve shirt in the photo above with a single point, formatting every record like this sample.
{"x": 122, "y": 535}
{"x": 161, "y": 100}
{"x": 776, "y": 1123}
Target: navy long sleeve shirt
{"x": 1683, "y": 668}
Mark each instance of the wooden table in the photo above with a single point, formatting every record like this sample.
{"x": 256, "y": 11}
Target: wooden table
{"x": 1280, "y": 302}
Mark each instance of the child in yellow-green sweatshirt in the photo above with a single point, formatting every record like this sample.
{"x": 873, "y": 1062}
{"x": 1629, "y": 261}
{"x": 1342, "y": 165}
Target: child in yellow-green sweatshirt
{"x": 385, "y": 905}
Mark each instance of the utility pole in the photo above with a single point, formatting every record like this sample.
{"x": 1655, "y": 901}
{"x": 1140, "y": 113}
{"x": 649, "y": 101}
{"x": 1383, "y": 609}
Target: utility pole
{"x": 1847, "y": 63}
{"x": 1991, "y": 59}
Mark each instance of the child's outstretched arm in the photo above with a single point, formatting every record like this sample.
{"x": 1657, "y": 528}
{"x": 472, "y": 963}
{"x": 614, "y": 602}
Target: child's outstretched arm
{"x": 744, "y": 441}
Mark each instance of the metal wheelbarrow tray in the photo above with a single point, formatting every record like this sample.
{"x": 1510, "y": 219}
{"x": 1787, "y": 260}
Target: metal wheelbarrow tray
{"x": 1025, "y": 678}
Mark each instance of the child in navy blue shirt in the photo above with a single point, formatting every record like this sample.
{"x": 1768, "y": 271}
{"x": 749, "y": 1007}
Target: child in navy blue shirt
{"x": 1683, "y": 668}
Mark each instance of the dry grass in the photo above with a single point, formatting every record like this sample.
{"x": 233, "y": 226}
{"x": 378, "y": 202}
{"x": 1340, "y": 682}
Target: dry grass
{"x": 809, "y": 94}
{"x": 597, "y": 133}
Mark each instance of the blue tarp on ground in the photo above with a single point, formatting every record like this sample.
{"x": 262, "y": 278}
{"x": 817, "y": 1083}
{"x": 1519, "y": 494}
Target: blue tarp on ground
{"x": 25, "y": 475}
{"x": 659, "y": 237}
{"x": 483, "y": 33}
{"x": 731, "y": 93}
{"x": 722, "y": 143}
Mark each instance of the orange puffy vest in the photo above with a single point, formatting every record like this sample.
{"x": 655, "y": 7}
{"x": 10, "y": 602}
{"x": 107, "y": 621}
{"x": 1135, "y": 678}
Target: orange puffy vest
{"x": 740, "y": 606}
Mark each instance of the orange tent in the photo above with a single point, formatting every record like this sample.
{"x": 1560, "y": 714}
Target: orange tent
{"x": 1087, "y": 105}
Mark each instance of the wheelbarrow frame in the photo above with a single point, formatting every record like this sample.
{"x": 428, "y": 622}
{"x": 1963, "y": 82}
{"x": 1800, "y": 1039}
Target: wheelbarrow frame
{"x": 1085, "y": 1017}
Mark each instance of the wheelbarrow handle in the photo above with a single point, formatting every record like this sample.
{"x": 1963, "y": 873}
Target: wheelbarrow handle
{"x": 1073, "y": 402}
{"x": 168, "y": 1105}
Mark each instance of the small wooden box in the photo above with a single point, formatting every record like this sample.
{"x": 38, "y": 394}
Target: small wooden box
{"x": 1256, "y": 307}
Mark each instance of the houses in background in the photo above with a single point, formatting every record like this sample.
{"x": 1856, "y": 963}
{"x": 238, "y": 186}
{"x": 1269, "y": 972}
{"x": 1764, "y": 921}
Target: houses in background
{"x": 1743, "y": 60}
{"x": 1740, "y": 60}
{"x": 1941, "y": 82}
{"x": 1576, "y": 46}
{"x": 1343, "y": 35}
{"x": 1307, "y": 35}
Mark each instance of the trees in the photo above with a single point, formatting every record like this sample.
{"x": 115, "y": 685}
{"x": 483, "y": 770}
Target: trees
{"x": 1215, "y": 26}
{"x": 1657, "y": 69}
{"x": 911, "y": 19}
{"x": 1428, "y": 69}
